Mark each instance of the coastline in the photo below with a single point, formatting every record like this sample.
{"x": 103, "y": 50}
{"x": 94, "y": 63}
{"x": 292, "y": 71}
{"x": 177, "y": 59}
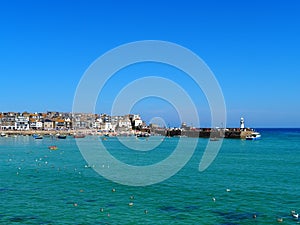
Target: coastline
{"x": 232, "y": 133}
{"x": 41, "y": 132}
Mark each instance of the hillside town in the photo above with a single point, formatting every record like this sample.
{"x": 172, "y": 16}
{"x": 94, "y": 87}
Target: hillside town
{"x": 104, "y": 124}
{"x": 58, "y": 121}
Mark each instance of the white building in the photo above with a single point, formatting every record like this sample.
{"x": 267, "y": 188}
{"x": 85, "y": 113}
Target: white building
{"x": 68, "y": 123}
{"x": 8, "y": 127}
{"x": 97, "y": 123}
{"x": 39, "y": 125}
{"x": 8, "y": 121}
{"x": 107, "y": 126}
{"x": 124, "y": 123}
{"x": 138, "y": 122}
{"x": 136, "y": 117}
{"x": 22, "y": 123}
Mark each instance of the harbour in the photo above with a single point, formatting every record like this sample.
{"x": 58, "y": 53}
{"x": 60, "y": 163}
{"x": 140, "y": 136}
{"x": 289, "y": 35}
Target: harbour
{"x": 197, "y": 133}
{"x": 79, "y": 125}
{"x": 44, "y": 186}
{"x": 150, "y": 113}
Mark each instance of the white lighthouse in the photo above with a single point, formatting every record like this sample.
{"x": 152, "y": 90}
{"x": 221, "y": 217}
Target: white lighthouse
{"x": 242, "y": 123}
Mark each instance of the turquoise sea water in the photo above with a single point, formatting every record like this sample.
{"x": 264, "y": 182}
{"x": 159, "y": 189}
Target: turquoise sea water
{"x": 39, "y": 186}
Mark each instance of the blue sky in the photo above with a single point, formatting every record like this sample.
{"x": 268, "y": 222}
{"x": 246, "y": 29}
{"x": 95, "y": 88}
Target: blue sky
{"x": 252, "y": 47}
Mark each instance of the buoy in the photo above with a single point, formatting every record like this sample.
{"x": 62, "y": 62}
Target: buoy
{"x": 53, "y": 147}
{"x": 279, "y": 220}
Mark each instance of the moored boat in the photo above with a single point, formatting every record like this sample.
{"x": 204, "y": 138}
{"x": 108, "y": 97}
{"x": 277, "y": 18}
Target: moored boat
{"x": 37, "y": 136}
{"x": 143, "y": 134}
{"x": 253, "y": 136}
{"x": 61, "y": 136}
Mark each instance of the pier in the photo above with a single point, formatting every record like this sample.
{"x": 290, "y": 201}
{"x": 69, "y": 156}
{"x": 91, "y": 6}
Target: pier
{"x": 233, "y": 133}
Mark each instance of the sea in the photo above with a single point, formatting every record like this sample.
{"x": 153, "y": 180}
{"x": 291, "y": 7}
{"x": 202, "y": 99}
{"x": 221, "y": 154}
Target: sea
{"x": 249, "y": 182}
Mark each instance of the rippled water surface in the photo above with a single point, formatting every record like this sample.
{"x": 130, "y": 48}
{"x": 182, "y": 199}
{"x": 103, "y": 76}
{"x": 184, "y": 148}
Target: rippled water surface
{"x": 261, "y": 178}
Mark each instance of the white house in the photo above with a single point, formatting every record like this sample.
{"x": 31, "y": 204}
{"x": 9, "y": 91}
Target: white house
{"x": 97, "y": 123}
{"x": 68, "y": 123}
{"x": 125, "y": 123}
{"x": 106, "y": 126}
{"x": 22, "y": 123}
{"x": 138, "y": 122}
{"x": 39, "y": 125}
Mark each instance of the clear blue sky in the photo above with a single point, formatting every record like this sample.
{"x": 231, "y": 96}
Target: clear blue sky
{"x": 252, "y": 47}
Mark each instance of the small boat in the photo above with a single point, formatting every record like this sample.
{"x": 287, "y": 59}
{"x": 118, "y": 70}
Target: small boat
{"x": 53, "y": 147}
{"x": 37, "y": 136}
{"x": 61, "y": 136}
{"x": 254, "y": 136}
{"x": 141, "y": 135}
